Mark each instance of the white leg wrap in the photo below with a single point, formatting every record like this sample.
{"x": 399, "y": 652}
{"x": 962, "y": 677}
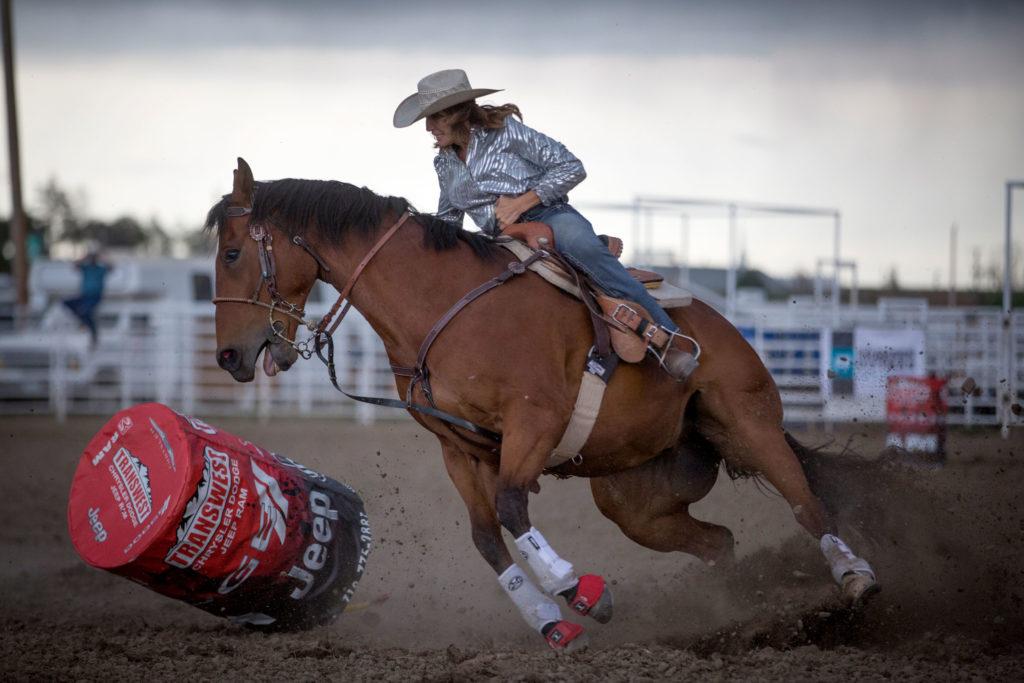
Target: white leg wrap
{"x": 842, "y": 560}
{"x": 554, "y": 573}
{"x": 537, "y": 609}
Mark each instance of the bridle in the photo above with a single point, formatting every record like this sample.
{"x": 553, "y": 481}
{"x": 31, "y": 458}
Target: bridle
{"x": 268, "y": 278}
{"x": 260, "y": 234}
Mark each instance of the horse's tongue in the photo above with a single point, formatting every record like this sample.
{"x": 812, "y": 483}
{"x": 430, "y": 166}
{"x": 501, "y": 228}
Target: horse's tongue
{"x": 269, "y": 364}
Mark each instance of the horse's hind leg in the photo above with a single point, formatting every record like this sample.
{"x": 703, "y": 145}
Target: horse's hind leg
{"x": 746, "y": 429}
{"x": 650, "y": 503}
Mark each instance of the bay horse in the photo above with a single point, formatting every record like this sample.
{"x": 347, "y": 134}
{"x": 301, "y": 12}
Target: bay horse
{"x": 511, "y": 362}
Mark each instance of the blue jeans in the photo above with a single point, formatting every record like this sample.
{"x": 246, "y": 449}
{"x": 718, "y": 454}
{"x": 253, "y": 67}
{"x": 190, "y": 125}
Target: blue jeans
{"x": 84, "y": 308}
{"x": 576, "y": 240}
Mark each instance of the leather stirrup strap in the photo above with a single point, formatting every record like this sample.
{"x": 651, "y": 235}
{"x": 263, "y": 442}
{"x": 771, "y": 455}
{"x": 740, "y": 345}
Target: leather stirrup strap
{"x": 602, "y": 339}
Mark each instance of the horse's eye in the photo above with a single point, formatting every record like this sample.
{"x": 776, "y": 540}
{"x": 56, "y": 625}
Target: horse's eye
{"x": 231, "y": 255}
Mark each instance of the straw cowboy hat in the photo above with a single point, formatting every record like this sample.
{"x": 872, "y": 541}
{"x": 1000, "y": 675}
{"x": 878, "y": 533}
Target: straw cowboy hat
{"x": 435, "y": 92}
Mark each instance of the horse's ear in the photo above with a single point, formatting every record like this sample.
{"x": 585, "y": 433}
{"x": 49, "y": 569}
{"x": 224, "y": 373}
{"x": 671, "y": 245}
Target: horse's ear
{"x": 241, "y": 193}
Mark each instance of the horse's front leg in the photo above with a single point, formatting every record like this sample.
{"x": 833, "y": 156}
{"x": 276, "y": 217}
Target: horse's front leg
{"x": 475, "y": 482}
{"x": 524, "y": 452}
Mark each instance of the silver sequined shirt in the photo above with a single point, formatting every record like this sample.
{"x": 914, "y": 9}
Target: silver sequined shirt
{"x": 503, "y": 161}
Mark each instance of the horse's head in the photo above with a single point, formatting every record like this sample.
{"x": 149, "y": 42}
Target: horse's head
{"x": 263, "y": 280}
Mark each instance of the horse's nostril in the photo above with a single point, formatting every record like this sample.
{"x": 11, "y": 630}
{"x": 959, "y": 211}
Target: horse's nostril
{"x": 229, "y": 359}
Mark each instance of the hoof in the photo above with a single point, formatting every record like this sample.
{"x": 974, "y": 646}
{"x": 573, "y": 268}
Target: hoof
{"x": 858, "y": 589}
{"x": 592, "y": 598}
{"x": 565, "y": 636}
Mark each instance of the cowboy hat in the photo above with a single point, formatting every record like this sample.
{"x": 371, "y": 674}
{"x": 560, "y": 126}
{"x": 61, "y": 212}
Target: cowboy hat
{"x": 436, "y": 92}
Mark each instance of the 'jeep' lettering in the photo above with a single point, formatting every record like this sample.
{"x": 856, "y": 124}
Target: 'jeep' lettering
{"x": 321, "y": 529}
{"x": 204, "y": 512}
{"x": 316, "y": 553}
{"x": 99, "y": 533}
{"x": 315, "y": 557}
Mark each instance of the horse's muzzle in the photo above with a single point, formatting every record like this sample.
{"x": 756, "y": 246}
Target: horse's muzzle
{"x": 229, "y": 359}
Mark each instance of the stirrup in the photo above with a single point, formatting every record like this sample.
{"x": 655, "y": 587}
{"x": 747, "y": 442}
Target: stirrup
{"x": 687, "y": 366}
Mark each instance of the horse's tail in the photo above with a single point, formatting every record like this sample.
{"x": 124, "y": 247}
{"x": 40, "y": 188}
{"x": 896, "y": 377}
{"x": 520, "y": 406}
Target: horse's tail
{"x": 845, "y": 482}
{"x": 820, "y": 467}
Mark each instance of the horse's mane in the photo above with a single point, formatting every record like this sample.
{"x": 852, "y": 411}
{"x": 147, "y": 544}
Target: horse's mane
{"x": 333, "y": 209}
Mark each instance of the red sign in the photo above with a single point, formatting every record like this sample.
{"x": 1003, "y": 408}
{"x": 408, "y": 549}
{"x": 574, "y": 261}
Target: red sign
{"x": 916, "y": 412}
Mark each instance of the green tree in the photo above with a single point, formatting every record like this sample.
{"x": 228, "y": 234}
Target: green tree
{"x": 63, "y": 220}
{"x": 200, "y": 242}
{"x": 892, "y": 280}
{"x": 60, "y": 217}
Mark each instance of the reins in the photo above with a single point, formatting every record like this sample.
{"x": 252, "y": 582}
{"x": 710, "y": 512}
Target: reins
{"x": 321, "y": 342}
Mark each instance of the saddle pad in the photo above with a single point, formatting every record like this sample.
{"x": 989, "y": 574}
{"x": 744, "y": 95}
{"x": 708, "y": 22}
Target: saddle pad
{"x": 667, "y": 295}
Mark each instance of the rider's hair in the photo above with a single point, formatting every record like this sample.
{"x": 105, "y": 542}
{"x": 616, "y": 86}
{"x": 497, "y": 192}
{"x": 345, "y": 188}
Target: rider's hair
{"x": 466, "y": 115}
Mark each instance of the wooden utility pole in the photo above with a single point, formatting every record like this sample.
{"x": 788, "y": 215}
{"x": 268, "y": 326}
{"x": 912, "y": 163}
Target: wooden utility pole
{"x": 18, "y": 227}
{"x": 952, "y": 265}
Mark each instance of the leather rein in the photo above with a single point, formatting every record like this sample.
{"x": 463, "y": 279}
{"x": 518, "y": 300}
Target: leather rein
{"x": 321, "y": 341}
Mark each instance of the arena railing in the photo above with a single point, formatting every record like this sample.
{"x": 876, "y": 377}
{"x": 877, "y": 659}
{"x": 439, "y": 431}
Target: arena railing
{"x": 166, "y": 354}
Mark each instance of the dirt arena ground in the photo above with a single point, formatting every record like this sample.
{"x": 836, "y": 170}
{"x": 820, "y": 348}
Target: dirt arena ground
{"x": 946, "y": 545}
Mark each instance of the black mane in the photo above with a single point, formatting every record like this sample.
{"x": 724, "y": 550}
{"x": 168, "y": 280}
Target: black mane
{"x": 332, "y": 209}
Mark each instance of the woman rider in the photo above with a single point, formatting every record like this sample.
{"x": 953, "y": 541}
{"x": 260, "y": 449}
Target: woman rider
{"x": 501, "y": 172}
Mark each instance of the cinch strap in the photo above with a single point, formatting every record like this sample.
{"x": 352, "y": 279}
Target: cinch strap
{"x": 584, "y": 413}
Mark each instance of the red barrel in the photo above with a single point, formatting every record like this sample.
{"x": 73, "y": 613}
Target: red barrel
{"x": 204, "y": 516}
{"x": 916, "y": 412}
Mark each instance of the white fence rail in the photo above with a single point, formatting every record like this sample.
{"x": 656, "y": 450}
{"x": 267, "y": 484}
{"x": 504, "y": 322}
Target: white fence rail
{"x": 166, "y": 353}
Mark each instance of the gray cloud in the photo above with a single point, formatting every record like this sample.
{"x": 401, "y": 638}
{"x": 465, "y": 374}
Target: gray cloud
{"x": 951, "y": 38}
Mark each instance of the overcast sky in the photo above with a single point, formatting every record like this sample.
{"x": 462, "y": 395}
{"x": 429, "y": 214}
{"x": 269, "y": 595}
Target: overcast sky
{"x": 904, "y": 116}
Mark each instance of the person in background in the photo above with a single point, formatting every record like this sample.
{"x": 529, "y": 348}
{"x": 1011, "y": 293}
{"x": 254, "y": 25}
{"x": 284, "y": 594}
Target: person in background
{"x": 94, "y": 274}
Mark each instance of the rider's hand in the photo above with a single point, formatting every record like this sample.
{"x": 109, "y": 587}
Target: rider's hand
{"x": 507, "y": 209}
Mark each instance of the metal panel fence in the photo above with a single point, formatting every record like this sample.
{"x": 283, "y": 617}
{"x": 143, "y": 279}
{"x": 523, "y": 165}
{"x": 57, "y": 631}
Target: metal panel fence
{"x": 962, "y": 345}
{"x": 165, "y": 353}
